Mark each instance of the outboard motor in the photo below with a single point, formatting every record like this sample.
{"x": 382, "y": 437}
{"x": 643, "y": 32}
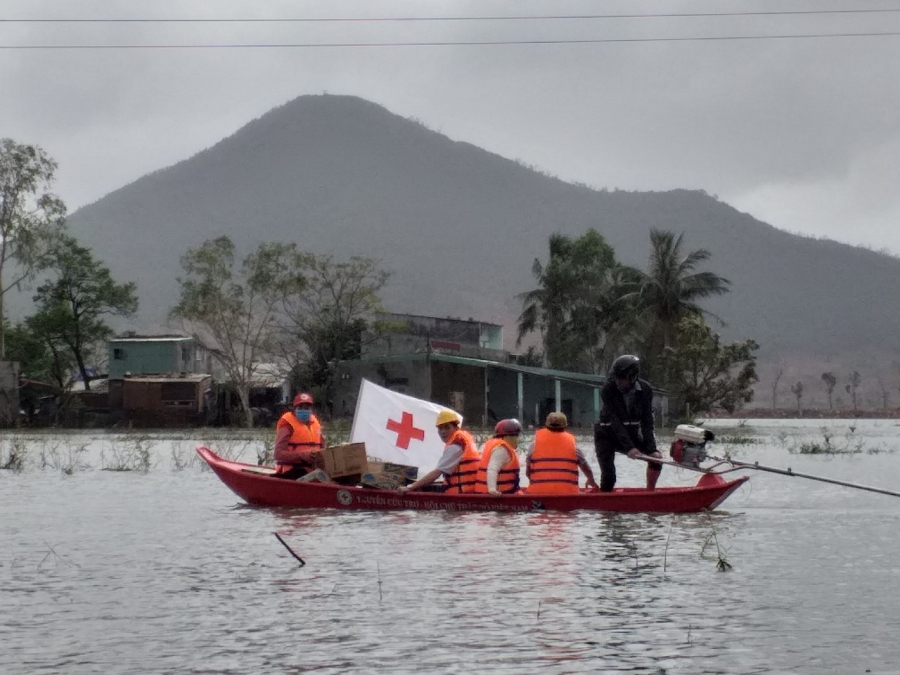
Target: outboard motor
{"x": 689, "y": 446}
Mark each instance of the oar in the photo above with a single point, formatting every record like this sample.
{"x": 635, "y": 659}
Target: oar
{"x": 789, "y": 472}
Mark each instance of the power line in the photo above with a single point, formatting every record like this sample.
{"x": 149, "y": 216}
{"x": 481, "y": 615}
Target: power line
{"x": 459, "y": 43}
{"x": 550, "y": 17}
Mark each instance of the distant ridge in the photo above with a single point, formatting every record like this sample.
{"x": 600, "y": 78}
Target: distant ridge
{"x": 460, "y": 227}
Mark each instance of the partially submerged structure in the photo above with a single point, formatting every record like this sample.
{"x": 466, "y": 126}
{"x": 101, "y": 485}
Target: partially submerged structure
{"x": 159, "y": 401}
{"x": 462, "y": 364}
{"x": 160, "y": 381}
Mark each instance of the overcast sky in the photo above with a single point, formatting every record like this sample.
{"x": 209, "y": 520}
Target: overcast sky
{"x": 802, "y": 133}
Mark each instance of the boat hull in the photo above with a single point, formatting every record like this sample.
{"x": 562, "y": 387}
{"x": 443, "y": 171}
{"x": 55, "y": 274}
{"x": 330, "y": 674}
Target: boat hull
{"x": 265, "y": 490}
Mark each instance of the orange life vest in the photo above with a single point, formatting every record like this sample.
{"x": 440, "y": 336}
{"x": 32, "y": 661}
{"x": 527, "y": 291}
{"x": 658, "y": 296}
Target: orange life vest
{"x": 302, "y": 435}
{"x": 463, "y": 478}
{"x": 554, "y": 463}
{"x": 508, "y": 477}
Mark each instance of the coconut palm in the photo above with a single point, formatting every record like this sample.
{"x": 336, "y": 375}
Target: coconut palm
{"x": 540, "y": 305}
{"x": 673, "y": 286}
{"x": 609, "y": 316}
{"x": 577, "y": 302}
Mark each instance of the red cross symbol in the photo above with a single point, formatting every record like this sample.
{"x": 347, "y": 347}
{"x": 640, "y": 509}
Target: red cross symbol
{"x": 405, "y": 430}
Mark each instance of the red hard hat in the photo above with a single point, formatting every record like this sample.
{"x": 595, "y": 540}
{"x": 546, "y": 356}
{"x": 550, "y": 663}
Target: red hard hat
{"x": 303, "y": 398}
{"x": 510, "y": 427}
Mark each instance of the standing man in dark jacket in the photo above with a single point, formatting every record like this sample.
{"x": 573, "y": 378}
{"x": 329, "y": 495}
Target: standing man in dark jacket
{"x": 626, "y": 422}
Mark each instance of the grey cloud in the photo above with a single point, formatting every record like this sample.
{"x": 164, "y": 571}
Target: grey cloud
{"x": 733, "y": 118}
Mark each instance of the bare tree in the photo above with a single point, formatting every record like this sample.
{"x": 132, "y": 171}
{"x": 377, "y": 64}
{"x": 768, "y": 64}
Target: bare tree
{"x": 775, "y": 388}
{"x": 30, "y": 217}
{"x": 234, "y": 311}
{"x": 830, "y": 383}
{"x": 885, "y": 392}
{"x": 325, "y": 324}
{"x": 797, "y": 390}
{"x": 853, "y": 386}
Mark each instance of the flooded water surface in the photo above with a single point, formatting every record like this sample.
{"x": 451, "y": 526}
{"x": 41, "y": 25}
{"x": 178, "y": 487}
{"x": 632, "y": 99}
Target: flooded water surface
{"x": 166, "y": 571}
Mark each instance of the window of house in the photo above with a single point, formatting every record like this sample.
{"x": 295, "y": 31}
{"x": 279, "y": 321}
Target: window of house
{"x": 118, "y": 354}
{"x": 178, "y": 394}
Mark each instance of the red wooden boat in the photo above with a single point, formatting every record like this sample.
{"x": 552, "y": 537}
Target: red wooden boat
{"x": 257, "y": 486}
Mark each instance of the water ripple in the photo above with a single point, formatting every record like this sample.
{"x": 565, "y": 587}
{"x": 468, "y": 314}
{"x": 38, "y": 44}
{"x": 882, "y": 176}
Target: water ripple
{"x": 165, "y": 572}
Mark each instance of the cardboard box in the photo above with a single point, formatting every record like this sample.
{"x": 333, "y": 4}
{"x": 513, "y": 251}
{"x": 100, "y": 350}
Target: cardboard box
{"x": 404, "y": 474}
{"x": 382, "y": 480}
{"x": 350, "y": 479}
{"x": 340, "y": 461}
{"x": 409, "y": 473}
{"x": 317, "y": 476}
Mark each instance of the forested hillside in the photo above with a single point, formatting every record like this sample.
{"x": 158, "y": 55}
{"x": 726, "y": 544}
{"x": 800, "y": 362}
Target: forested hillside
{"x": 459, "y": 227}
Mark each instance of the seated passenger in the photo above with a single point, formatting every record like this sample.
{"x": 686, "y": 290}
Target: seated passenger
{"x": 298, "y": 435}
{"x": 554, "y": 459}
{"x": 498, "y": 472}
{"x": 459, "y": 463}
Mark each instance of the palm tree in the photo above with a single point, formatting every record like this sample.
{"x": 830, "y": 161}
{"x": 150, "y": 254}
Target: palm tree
{"x": 578, "y": 306}
{"x": 610, "y": 315}
{"x": 673, "y": 287}
{"x": 546, "y": 309}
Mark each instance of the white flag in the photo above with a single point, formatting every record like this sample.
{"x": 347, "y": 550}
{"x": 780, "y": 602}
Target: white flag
{"x": 396, "y": 427}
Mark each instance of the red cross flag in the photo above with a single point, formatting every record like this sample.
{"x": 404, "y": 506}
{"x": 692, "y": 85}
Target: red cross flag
{"x": 396, "y": 427}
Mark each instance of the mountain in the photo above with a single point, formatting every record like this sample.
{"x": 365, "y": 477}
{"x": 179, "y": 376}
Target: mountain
{"x": 459, "y": 227}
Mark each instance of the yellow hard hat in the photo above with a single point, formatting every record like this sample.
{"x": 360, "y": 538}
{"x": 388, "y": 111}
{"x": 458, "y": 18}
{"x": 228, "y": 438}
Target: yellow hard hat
{"x": 445, "y": 417}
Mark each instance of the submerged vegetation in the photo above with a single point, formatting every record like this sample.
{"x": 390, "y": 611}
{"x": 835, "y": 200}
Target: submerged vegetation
{"x": 848, "y": 443}
{"x": 67, "y": 458}
{"x": 737, "y": 439}
{"x": 15, "y": 459}
{"x": 712, "y": 539}
{"x": 128, "y": 452}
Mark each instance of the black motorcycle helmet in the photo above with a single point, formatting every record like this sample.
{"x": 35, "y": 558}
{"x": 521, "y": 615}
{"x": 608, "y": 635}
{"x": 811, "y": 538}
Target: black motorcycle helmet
{"x": 625, "y": 367}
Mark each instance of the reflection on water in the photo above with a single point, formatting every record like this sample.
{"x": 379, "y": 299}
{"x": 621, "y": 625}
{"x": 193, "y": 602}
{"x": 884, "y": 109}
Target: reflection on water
{"x": 166, "y": 572}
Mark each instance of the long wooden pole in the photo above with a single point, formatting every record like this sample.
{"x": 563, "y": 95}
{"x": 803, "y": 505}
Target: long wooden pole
{"x": 789, "y": 472}
{"x": 760, "y": 467}
{"x": 669, "y": 462}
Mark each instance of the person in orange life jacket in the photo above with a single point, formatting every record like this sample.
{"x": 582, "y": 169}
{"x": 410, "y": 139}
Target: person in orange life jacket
{"x": 553, "y": 460}
{"x": 498, "y": 472}
{"x": 626, "y": 422}
{"x": 298, "y": 435}
{"x": 459, "y": 463}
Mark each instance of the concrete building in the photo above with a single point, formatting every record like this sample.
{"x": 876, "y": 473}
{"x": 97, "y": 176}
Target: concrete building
{"x": 158, "y": 401}
{"x": 156, "y": 355}
{"x": 462, "y": 364}
{"x": 414, "y": 334}
{"x": 159, "y": 381}
{"x": 482, "y": 391}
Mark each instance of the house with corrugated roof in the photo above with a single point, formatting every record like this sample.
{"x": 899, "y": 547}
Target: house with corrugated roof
{"x": 462, "y": 364}
{"x": 160, "y": 381}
